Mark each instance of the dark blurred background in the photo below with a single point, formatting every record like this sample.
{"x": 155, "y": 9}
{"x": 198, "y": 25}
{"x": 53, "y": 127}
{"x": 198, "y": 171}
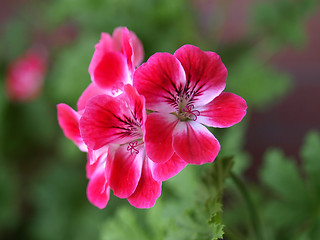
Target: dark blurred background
{"x": 271, "y": 50}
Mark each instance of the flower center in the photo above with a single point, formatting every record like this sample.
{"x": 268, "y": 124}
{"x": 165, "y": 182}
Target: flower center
{"x": 189, "y": 113}
{"x": 186, "y": 111}
{"x": 132, "y": 147}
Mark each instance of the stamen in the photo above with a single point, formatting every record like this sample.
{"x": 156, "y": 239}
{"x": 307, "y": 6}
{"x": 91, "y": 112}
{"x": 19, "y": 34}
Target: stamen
{"x": 189, "y": 111}
{"x": 132, "y": 147}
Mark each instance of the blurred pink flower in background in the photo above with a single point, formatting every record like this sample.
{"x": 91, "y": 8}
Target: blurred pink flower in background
{"x": 25, "y": 75}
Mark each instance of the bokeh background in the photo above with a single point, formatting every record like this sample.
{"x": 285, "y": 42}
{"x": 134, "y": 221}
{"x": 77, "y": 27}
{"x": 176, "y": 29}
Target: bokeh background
{"x": 271, "y": 50}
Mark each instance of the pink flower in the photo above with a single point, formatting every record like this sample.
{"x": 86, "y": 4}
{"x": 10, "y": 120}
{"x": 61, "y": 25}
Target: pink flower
{"x": 185, "y": 92}
{"x": 123, "y": 46}
{"x": 117, "y": 123}
{"x": 25, "y": 76}
{"x": 115, "y": 59}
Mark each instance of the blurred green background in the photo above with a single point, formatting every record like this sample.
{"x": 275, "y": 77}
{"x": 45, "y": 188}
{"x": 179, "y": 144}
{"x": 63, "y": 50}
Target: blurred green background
{"x": 271, "y": 50}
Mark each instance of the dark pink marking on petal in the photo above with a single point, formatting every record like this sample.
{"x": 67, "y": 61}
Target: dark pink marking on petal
{"x": 148, "y": 189}
{"x": 159, "y": 80}
{"x": 127, "y": 48}
{"x": 164, "y": 171}
{"x": 105, "y": 45}
{"x": 194, "y": 143}
{"x": 111, "y": 71}
{"x": 224, "y": 111}
{"x": 69, "y": 122}
{"x": 123, "y": 170}
{"x": 205, "y": 73}
{"x": 136, "y": 102}
{"x": 107, "y": 120}
{"x": 158, "y": 137}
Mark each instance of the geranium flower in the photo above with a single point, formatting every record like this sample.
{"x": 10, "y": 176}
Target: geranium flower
{"x": 185, "y": 92}
{"x": 115, "y": 59}
{"x": 122, "y": 45}
{"x": 118, "y": 124}
{"x": 98, "y": 190}
{"x": 25, "y": 76}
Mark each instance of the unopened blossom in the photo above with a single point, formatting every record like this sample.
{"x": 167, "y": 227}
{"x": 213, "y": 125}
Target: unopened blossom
{"x": 184, "y": 91}
{"x": 25, "y": 76}
{"x": 117, "y": 123}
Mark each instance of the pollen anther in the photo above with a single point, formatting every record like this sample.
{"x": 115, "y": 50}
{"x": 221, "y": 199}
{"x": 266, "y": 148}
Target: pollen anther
{"x": 190, "y": 112}
{"x": 132, "y": 147}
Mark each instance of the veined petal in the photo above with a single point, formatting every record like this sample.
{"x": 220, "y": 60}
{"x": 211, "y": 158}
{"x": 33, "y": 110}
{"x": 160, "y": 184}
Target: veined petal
{"x": 206, "y": 74}
{"x": 107, "y": 120}
{"x": 91, "y": 91}
{"x": 194, "y": 143}
{"x": 159, "y": 80}
{"x": 224, "y": 111}
{"x": 123, "y": 170}
{"x": 69, "y": 122}
{"x": 158, "y": 136}
{"x": 98, "y": 191}
{"x": 164, "y": 171}
{"x": 148, "y": 189}
{"x": 136, "y": 102}
{"x": 112, "y": 72}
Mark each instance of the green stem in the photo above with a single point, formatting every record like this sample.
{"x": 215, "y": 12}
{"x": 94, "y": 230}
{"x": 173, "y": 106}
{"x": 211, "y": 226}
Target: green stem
{"x": 253, "y": 213}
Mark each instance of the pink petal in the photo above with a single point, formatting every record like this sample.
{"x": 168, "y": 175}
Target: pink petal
{"x": 91, "y": 91}
{"x": 105, "y": 121}
{"x": 111, "y": 72}
{"x": 105, "y": 45}
{"x": 158, "y": 137}
{"x": 194, "y": 143}
{"x": 158, "y": 80}
{"x": 69, "y": 122}
{"x": 136, "y": 103}
{"x": 138, "y": 52}
{"x": 164, "y": 171}
{"x": 127, "y": 48}
{"x": 123, "y": 170}
{"x": 98, "y": 191}
{"x": 205, "y": 72}
{"x": 136, "y": 45}
{"x": 148, "y": 189}
{"x": 91, "y": 166}
{"x": 224, "y": 111}
{"x": 117, "y": 39}
{"x": 98, "y": 155}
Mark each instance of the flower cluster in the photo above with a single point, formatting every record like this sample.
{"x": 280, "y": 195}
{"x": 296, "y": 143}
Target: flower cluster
{"x": 141, "y": 125}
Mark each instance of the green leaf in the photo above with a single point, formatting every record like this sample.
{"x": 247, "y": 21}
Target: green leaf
{"x": 282, "y": 21}
{"x": 281, "y": 175}
{"x": 124, "y": 225}
{"x": 311, "y": 160}
{"x": 257, "y": 83}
